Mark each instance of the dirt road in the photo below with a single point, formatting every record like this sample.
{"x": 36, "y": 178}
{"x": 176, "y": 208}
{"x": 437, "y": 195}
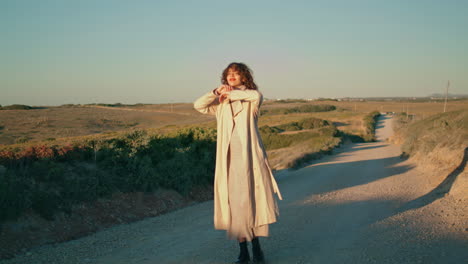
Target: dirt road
{"x": 357, "y": 206}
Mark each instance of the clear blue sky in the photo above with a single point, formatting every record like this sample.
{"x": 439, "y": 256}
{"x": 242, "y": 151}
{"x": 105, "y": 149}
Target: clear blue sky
{"x": 98, "y": 51}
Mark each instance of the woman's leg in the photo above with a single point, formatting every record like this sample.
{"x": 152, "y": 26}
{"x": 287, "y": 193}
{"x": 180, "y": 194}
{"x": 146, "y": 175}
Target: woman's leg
{"x": 257, "y": 251}
{"x": 244, "y": 256}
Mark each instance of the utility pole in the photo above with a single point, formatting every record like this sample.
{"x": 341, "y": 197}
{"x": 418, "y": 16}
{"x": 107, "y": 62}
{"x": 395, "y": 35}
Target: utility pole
{"x": 446, "y": 95}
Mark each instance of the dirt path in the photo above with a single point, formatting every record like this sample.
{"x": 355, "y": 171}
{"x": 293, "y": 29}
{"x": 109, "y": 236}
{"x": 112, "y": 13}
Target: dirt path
{"x": 351, "y": 207}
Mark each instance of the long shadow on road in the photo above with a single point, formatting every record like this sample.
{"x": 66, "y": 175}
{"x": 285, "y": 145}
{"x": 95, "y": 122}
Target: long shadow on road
{"x": 335, "y": 176}
{"x": 356, "y": 231}
{"x": 438, "y": 192}
{"x": 351, "y": 231}
{"x": 325, "y": 233}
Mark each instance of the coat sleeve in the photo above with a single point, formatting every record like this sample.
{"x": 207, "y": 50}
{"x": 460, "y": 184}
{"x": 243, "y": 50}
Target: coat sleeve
{"x": 246, "y": 95}
{"x": 207, "y": 103}
{"x": 253, "y": 96}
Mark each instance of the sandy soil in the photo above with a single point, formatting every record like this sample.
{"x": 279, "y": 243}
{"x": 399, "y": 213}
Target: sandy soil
{"x": 362, "y": 205}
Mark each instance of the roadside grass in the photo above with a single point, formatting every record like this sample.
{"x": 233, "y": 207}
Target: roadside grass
{"x": 448, "y": 130}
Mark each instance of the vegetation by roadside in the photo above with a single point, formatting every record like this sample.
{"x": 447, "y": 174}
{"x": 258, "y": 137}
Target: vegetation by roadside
{"x": 439, "y": 144}
{"x": 448, "y": 129}
{"x": 52, "y": 179}
{"x": 298, "y": 109}
{"x": 367, "y": 134}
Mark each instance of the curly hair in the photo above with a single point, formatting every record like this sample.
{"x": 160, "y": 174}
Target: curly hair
{"x": 244, "y": 71}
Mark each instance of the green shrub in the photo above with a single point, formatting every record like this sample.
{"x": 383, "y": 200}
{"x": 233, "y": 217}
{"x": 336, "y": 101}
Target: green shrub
{"x": 268, "y": 129}
{"x": 14, "y": 195}
{"x": 272, "y": 139}
{"x": 306, "y": 123}
{"x": 370, "y": 121}
{"x": 58, "y": 177}
{"x": 293, "y": 126}
{"x": 299, "y": 109}
{"x": 45, "y": 204}
{"x": 312, "y": 122}
{"x": 16, "y": 107}
{"x": 21, "y": 140}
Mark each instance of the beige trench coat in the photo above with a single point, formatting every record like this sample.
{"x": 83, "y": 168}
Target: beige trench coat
{"x": 242, "y": 107}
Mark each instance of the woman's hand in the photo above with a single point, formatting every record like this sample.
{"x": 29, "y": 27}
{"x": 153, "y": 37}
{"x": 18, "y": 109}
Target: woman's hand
{"x": 223, "y": 97}
{"x": 223, "y": 89}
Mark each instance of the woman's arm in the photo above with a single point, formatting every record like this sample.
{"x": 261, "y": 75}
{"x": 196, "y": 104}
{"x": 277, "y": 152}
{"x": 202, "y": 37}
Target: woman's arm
{"x": 253, "y": 96}
{"x": 246, "y": 95}
{"x": 207, "y": 103}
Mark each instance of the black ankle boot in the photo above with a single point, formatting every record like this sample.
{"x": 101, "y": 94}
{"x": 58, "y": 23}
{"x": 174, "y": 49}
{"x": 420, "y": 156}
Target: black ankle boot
{"x": 244, "y": 256}
{"x": 257, "y": 252}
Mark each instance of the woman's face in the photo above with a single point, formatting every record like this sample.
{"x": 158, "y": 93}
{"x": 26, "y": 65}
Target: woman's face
{"x": 234, "y": 78}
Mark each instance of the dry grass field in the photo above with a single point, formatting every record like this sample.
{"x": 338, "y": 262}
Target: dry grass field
{"x": 439, "y": 143}
{"x": 18, "y": 126}
{"x": 53, "y": 123}
{"x": 420, "y": 109}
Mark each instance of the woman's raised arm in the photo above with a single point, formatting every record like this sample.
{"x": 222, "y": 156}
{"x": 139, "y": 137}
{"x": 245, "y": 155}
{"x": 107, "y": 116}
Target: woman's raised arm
{"x": 253, "y": 96}
{"x": 246, "y": 95}
{"x": 207, "y": 103}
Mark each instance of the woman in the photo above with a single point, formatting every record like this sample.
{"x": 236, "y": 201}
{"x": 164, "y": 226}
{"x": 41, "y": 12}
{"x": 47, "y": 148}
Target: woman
{"x": 244, "y": 187}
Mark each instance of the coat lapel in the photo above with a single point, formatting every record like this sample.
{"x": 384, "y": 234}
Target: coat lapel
{"x": 236, "y": 106}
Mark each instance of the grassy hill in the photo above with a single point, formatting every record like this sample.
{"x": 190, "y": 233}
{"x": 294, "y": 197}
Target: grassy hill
{"x": 438, "y": 144}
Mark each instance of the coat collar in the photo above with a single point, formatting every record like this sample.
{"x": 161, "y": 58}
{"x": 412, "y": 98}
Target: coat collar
{"x": 241, "y": 87}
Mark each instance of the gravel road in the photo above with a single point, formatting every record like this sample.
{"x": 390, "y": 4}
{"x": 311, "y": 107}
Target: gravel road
{"x": 356, "y": 206}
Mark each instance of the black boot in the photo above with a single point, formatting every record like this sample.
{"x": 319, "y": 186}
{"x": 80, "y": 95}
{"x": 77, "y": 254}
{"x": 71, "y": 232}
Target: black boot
{"x": 244, "y": 256}
{"x": 257, "y": 252}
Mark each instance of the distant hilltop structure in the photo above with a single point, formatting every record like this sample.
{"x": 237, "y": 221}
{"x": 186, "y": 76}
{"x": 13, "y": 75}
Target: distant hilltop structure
{"x": 436, "y": 96}
{"x": 432, "y": 97}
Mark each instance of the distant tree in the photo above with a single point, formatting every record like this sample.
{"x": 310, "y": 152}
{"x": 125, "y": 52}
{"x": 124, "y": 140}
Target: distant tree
{"x": 68, "y": 105}
{"x": 16, "y": 107}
